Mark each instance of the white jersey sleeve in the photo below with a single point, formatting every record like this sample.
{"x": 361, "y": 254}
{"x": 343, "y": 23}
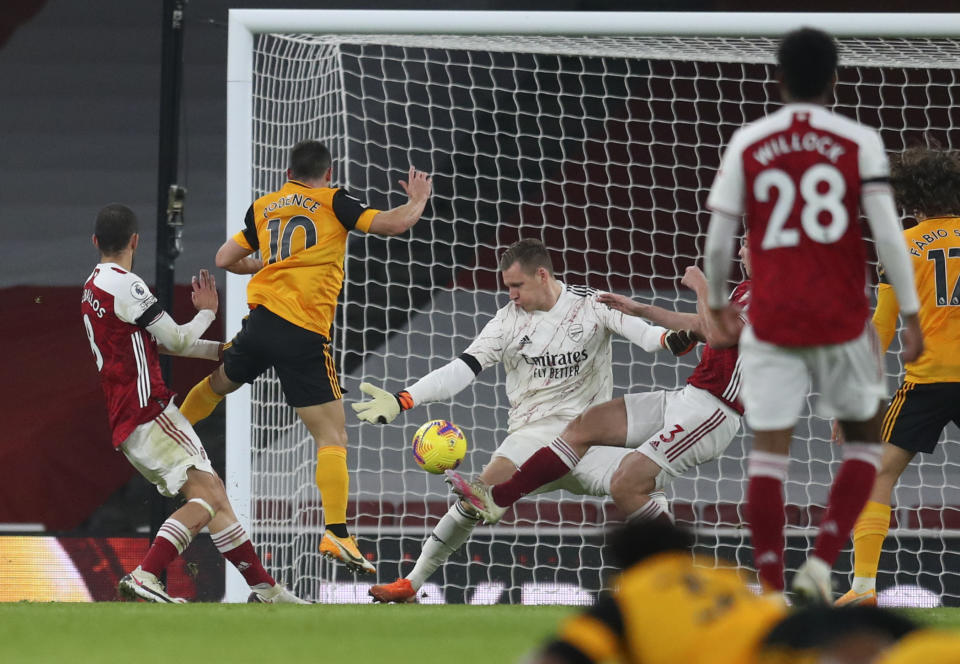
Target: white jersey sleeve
{"x": 632, "y": 328}
{"x": 881, "y": 212}
{"x": 727, "y": 195}
{"x": 487, "y": 349}
{"x": 133, "y": 299}
{"x": 134, "y": 303}
{"x": 872, "y": 160}
{"x": 443, "y": 383}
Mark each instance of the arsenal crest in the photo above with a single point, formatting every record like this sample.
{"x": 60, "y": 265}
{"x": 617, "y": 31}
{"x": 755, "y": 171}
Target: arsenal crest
{"x": 575, "y": 332}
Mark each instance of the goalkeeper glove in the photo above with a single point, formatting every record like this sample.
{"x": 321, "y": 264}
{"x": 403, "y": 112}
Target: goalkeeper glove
{"x": 384, "y": 407}
{"x": 678, "y": 342}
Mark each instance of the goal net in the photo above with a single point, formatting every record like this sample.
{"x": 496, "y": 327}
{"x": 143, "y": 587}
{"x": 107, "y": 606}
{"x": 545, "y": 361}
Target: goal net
{"x": 605, "y": 148}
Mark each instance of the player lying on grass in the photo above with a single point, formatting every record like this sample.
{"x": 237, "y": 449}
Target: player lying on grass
{"x": 926, "y": 184}
{"x": 671, "y": 606}
{"x": 554, "y": 341}
{"x": 670, "y": 431}
{"x": 854, "y": 635}
{"x": 127, "y": 329}
{"x": 668, "y": 607}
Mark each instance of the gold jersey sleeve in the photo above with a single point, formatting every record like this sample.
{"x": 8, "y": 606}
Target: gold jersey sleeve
{"x": 934, "y": 247}
{"x": 668, "y": 610}
{"x": 301, "y": 233}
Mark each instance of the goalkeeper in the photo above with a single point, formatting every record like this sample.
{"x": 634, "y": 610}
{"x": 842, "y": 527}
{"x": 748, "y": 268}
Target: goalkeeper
{"x": 554, "y": 341}
{"x": 671, "y": 431}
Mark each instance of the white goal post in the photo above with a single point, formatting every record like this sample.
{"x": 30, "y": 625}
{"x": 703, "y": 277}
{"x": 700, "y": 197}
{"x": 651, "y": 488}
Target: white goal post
{"x": 598, "y": 133}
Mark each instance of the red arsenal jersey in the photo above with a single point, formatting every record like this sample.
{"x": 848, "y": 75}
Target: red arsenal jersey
{"x": 116, "y": 308}
{"x": 719, "y": 369}
{"x": 797, "y": 175}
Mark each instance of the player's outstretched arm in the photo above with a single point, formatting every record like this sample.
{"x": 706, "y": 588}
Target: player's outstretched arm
{"x": 673, "y": 320}
{"x": 438, "y": 385}
{"x": 399, "y": 219}
{"x": 382, "y": 407}
{"x": 181, "y": 339}
{"x": 716, "y": 335}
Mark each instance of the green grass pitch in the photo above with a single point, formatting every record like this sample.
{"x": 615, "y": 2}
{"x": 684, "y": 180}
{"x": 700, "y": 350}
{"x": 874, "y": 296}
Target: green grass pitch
{"x": 113, "y": 632}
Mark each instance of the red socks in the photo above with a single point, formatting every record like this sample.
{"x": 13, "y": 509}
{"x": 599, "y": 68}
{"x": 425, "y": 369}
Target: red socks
{"x": 546, "y": 465}
{"x": 849, "y": 493}
{"x": 172, "y": 539}
{"x": 247, "y": 562}
{"x": 765, "y": 514}
{"x": 233, "y": 544}
{"x": 160, "y": 555}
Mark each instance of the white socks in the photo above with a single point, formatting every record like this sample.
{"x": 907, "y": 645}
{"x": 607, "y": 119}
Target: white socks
{"x": 448, "y": 535}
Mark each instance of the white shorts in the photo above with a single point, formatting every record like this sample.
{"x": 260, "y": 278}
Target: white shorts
{"x": 164, "y": 449}
{"x": 590, "y": 477}
{"x": 679, "y": 429}
{"x": 777, "y": 379}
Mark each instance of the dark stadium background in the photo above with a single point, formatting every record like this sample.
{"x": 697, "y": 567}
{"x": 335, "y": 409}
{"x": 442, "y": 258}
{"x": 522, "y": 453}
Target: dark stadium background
{"x": 79, "y": 126}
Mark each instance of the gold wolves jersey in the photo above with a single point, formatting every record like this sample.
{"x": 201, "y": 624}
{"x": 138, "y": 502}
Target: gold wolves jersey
{"x": 934, "y": 247}
{"x": 301, "y": 233}
{"x": 668, "y": 610}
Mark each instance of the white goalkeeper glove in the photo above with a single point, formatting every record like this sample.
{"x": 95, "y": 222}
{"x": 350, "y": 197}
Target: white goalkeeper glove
{"x": 383, "y": 407}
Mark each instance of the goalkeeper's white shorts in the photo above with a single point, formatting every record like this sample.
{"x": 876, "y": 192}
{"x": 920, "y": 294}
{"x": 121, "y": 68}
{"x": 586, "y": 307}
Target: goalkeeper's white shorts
{"x": 777, "y": 379}
{"x": 679, "y": 429}
{"x": 164, "y": 449}
{"x": 590, "y": 477}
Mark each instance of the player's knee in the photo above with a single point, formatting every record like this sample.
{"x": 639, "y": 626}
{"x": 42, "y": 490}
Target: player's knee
{"x": 631, "y": 479}
{"x": 206, "y": 506}
{"x": 575, "y": 433}
{"x": 220, "y": 384}
{"x": 888, "y": 474}
{"x": 209, "y": 488}
{"x": 330, "y": 439}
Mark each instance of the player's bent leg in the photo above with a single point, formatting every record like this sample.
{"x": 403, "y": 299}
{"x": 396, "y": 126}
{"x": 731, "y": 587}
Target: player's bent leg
{"x": 234, "y": 544}
{"x": 450, "y": 533}
{"x": 632, "y": 483}
{"x": 203, "y": 398}
{"x": 173, "y": 537}
{"x": 500, "y": 469}
{"x": 603, "y": 424}
{"x": 168, "y": 453}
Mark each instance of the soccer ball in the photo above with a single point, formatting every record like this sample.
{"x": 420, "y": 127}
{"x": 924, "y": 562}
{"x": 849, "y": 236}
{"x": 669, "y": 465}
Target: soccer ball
{"x": 438, "y": 446}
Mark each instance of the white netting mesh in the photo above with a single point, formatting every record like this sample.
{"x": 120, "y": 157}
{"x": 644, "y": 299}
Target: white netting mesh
{"x": 605, "y": 148}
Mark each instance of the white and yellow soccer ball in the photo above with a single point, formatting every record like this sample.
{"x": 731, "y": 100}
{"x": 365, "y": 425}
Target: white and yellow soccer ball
{"x": 438, "y": 446}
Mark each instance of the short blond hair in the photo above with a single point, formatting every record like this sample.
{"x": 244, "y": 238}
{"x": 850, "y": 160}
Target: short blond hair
{"x": 529, "y": 253}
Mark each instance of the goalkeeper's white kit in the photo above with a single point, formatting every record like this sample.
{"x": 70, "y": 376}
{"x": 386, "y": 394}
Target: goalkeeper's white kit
{"x": 558, "y": 362}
